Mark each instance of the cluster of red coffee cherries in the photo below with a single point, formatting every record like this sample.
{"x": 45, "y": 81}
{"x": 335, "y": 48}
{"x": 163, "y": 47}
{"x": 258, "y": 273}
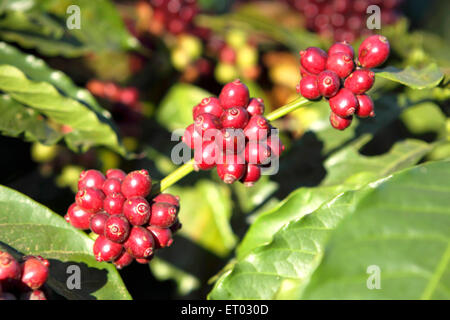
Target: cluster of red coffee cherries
{"x": 116, "y": 209}
{"x": 128, "y": 96}
{"x": 22, "y": 280}
{"x": 174, "y": 16}
{"x": 231, "y": 134}
{"x": 344, "y": 20}
{"x": 337, "y": 77}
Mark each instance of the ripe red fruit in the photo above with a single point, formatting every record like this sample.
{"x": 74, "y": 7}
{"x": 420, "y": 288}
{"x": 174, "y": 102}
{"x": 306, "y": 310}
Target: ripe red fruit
{"x": 9, "y": 267}
{"x": 344, "y": 103}
{"x": 137, "y": 183}
{"x": 365, "y": 106}
{"x": 341, "y": 47}
{"x": 313, "y": 59}
{"x": 234, "y": 117}
{"x": 89, "y": 199}
{"x": 123, "y": 260}
{"x": 341, "y": 63}
{"x": 116, "y": 174}
{"x": 162, "y": 236}
{"x": 338, "y": 122}
{"x": 91, "y": 179}
{"x": 257, "y": 128}
{"x": 113, "y": 203}
{"x": 205, "y": 157}
{"x": 205, "y": 122}
{"x": 209, "y": 105}
{"x": 275, "y": 144}
{"x": 309, "y": 88}
{"x": 167, "y": 197}
{"x": 191, "y": 137}
{"x": 137, "y": 210}
{"x": 97, "y": 222}
{"x": 328, "y": 83}
{"x": 79, "y": 217}
{"x": 33, "y": 295}
{"x": 255, "y": 106}
{"x": 373, "y": 51}
{"x": 231, "y": 140}
{"x": 144, "y": 260}
{"x": 129, "y": 96}
{"x": 117, "y": 228}
{"x": 305, "y": 73}
{"x": 234, "y": 94}
{"x": 231, "y": 168}
{"x": 360, "y": 81}
{"x": 163, "y": 214}
{"x": 140, "y": 244}
{"x": 111, "y": 185}
{"x": 106, "y": 250}
{"x": 34, "y": 273}
{"x": 251, "y": 175}
{"x": 257, "y": 152}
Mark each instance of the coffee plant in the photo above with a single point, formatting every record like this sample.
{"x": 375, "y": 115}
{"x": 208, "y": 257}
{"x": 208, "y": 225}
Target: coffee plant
{"x": 224, "y": 150}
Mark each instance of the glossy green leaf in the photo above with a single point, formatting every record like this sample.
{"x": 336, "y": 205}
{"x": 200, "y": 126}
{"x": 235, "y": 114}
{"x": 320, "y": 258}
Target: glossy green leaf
{"x": 427, "y": 77}
{"x": 88, "y": 128}
{"x": 400, "y": 223}
{"x": 30, "y": 228}
{"x": 346, "y": 170}
{"x": 175, "y": 110}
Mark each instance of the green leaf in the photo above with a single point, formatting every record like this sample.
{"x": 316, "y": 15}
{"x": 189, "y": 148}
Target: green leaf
{"x": 400, "y": 223}
{"x": 175, "y": 110}
{"x": 88, "y": 128}
{"x": 428, "y": 77}
{"x": 346, "y": 170}
{"x": 424, "y": 117}
{"x": 31, "y": 228}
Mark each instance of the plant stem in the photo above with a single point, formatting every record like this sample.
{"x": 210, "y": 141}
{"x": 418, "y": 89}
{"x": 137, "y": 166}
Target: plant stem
{"x": 284, "y": 110}
{"x": 187, "y": 168}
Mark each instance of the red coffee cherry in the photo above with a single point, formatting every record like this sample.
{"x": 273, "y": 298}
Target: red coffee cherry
{"x": 97, "y": 222}
{"x": 341, "y": 63}
{"x": 232, "y": 167}
{"x": 305, "y": 73}
{"x": 341, "y": 47}
{"x": 163, "y": 214}
{"x": 251, "y": 175}
{"x": 309, "y": 87}
{"x": 91, "y": 179}
{"x": 145, "y": 260}
{"x": 9, "y": 267}
{"x": 123, "y": 260}
{"x": 34, "y": 273}
{"x": 129, "y": 96}
{"x": 117, "y": 228}
{"x": 313, "y": 59}
{"x": 234, "y": 94}
{"x": 275, "y": 144}
{"x": 140, "y": 244}
{"x": 137, "y": 210}
{"x": 234, "y": 117}
{"x": 338, "y": 122}
{"x": 167, "y": 197}
{"x": 191, "y": 137}
{"x": 209, "y": 105}
{"x": 79, "y": 217}
{"x": 257, "y": 128}
{"x": 89, "y": 199}
{"x": 205, "y": 157}
{"x": 111, "y": 185}
{"x": 328, "y": 83}
{"x": 206, "y": 121}
{"x": 257, "y": 152}
{"x": 255, "y": 106}
{"x": 344, "y": 103}
{"x": 113, "y": 203}
{"x": 33, "y": 295}
{"x": 365, "y": 106}
{"x": 231, "y": 140}
{"x": 106, "y": 250}
{"x": 137, "y": 183}
{"x": 162, "y": 236}
{"x": 116, "y": 174}
{"x": 373, "y": 51}
{"x": 360, "y": 81}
